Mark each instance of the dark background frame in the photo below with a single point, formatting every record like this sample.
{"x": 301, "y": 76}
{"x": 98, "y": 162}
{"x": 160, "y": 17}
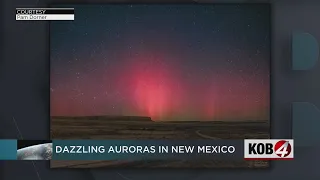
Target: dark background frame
{"x": 24, "y": 92}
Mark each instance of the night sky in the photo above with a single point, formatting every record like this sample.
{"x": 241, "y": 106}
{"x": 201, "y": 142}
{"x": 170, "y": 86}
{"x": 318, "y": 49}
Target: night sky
{"x": 168, "y": 62}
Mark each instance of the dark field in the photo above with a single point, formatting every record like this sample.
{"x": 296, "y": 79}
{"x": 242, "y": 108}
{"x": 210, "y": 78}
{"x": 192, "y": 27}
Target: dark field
{"x": 105, "y": 127}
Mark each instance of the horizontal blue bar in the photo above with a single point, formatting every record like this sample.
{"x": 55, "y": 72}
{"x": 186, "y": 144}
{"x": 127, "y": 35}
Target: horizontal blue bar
{"x": 145, "y": 149}
{"x": 8, "y": 149}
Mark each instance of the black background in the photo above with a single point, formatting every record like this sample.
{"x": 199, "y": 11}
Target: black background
{"x": 26, "y": 143}
{"x": 24, "y": 97}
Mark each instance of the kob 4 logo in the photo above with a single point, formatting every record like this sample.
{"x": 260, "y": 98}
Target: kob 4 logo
{"x": 268, "y": 149}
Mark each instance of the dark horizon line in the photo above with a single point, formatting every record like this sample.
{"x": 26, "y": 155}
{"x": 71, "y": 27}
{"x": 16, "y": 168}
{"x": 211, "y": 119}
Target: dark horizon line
{"x": 149, "y": 118}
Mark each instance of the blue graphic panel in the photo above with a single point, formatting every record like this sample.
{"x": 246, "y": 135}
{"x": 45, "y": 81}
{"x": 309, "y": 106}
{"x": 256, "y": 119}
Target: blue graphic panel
{"x": 305, "y": 51}
{"x": 306, "y": 124}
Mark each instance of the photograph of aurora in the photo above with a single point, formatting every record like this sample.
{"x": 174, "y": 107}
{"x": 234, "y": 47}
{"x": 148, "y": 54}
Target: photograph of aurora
{"x": 161, "y": 71}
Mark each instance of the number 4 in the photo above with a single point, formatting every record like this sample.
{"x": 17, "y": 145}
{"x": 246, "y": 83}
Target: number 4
{"x": 282, "y": 151}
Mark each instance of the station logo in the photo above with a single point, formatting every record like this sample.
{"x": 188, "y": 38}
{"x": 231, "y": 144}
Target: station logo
{"x": 268, "y": 149}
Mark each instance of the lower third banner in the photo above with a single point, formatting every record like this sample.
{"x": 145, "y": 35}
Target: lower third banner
{"x": 146, "y": 149}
